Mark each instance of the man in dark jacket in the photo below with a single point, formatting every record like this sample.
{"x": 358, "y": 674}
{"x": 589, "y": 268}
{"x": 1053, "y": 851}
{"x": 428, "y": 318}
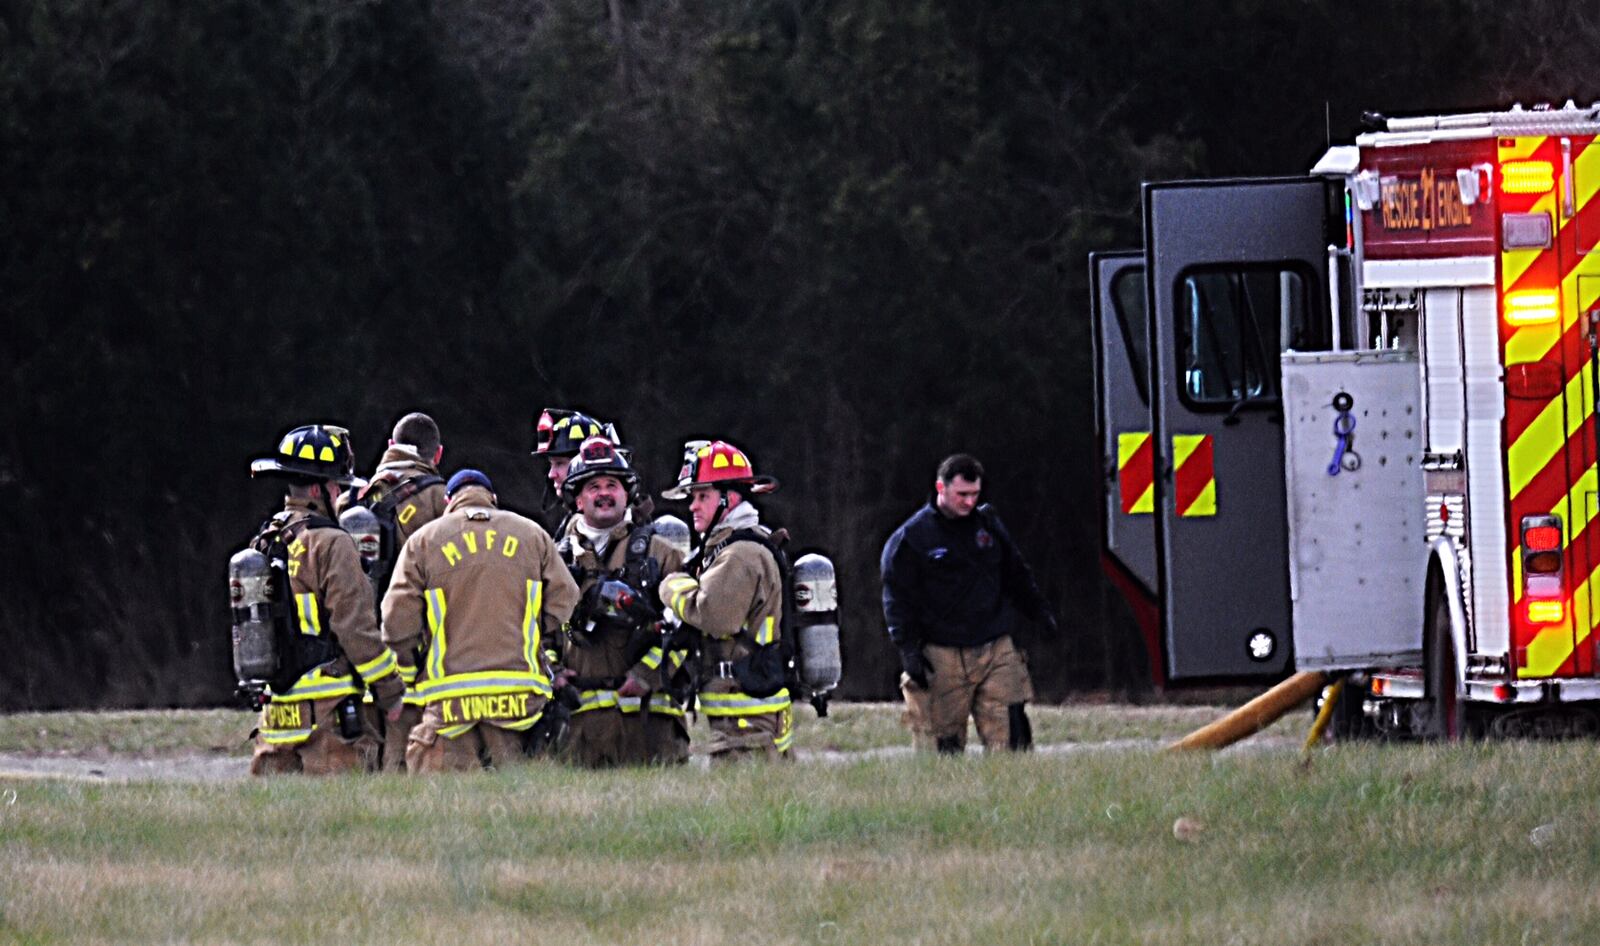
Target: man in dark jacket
{"x": 953, "y": 581}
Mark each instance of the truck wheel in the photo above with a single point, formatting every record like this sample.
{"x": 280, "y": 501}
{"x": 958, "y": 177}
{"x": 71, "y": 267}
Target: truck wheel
{"x": 1349, "y": 722}
{"x": 1447, "y": 714}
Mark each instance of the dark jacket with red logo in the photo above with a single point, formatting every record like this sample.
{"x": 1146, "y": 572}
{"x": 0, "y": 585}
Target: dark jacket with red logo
{"x": 955, "y": 581}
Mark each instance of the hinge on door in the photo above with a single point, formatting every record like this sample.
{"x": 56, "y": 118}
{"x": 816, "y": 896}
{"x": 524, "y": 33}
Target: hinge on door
{"x": 1569, "y": 203}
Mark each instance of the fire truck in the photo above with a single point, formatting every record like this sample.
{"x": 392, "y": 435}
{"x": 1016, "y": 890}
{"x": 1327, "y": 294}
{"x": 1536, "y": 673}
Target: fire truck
{"x": 1348, "y": 424}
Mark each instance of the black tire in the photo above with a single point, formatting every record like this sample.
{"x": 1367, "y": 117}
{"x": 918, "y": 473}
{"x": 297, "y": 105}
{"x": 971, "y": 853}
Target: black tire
{"x": 1446, "y": 716}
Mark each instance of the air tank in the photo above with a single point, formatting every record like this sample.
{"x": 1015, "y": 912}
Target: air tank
{"x": 816, "y": 605}
{"x": 675, "y": 531}
{"x": 363, "y": 526}
{"x": 255, "y": 644}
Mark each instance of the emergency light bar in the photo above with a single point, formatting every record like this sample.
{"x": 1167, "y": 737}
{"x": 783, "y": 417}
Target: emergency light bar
{"x": 1532, "y": 307}
{"x": 1546, "y": 612}
{"x": 1527, "y": 177}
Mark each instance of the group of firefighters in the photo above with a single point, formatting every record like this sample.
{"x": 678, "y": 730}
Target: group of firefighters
{"x": 463, "y": 635}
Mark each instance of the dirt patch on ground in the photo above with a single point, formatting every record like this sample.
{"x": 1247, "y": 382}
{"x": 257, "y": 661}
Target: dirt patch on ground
{"x": 213, "y": 767}
{"x": 197, "y": 767}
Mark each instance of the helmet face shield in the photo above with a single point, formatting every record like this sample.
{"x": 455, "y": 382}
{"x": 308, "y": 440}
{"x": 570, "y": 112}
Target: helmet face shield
{"x": 341, "y": 436}
{"x": 559, "y": 432}
{"x": 544, "y": 429}
{"x": 691, "y": 450}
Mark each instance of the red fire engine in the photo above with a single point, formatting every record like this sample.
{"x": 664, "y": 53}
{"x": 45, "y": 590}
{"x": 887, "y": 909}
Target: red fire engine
{"x": 1348, "y": 423}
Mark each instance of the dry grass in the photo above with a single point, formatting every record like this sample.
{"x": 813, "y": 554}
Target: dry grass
{"x": 140, "y": 733}
{"x": 857, "y": 726}
{"x": 1366, "y": 844}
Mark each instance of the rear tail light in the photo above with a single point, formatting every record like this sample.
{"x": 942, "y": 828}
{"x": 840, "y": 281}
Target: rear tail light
{"x": 1541, "y": 538}
{"x": 1536, "y": 380}
{"x": 1543, "y": 562}
{"x": 1543, "y": 592}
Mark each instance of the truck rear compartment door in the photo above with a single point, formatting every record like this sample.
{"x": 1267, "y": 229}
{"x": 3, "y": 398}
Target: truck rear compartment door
{"x": 1122, "y": 405}
{"x": 1237, "y": 272}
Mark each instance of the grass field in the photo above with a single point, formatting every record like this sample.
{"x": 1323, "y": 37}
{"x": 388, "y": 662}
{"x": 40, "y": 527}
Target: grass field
{"x": 1368, "y": 844}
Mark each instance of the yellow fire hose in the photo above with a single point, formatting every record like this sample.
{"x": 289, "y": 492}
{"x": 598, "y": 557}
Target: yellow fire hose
{"x": 1259, "y": 713}
{"x": 1330, "y": 699}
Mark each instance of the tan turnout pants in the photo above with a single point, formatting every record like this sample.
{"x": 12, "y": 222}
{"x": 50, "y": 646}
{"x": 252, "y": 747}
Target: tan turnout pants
{"x": 982, "y": 682}
{"x": 397, "y": 736}
{"x": 601, "y": 738}
{"x": 767, "y": 736}
{"x": 325, "y": 752}
{"x": 428, "y": 751}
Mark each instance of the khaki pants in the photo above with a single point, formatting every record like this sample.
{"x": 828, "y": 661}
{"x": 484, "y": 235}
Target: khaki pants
{"x": 326, "y": 752}
{"x": 601, "y": 738}
{"x": 765, "y": 736}
{"x": 982, "y": 682}
{"x": 483, "y": 745}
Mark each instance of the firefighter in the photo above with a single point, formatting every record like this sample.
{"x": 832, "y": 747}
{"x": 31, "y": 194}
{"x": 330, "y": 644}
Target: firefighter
{"x": 406, "y": 493}
{"x": 557, "y": 435}
{"x": 952, "y": 578}
{"x": 320, "y": 725}
{"x": 732, "y": 594}
{"x": 483, "y": 586}
{"x": 410, "y": 466}
{"x": 613, "y": 651}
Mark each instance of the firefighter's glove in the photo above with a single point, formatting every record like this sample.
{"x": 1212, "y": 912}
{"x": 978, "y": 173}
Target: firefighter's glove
{"x": 591, "y": 605}
{"x": 389, "y": 693}
{"x": 915, "y": 665}
{"x": 632, "y": 687}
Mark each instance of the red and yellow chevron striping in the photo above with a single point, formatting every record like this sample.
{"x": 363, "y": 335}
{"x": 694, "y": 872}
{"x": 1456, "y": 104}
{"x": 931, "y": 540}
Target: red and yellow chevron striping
{"x": 1554, "y": 650}
{"x": 1550, "y": 443}
{"x": 1194, "y": 483}
{"x": 1136, "y": 473}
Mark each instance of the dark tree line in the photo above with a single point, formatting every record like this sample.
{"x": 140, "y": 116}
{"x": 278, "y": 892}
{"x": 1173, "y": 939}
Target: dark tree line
{"x": 848, "y": 236}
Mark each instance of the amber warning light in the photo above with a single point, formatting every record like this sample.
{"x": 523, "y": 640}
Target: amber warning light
{"x": 1532, "y": 307}
{"x": 1527, "y": 177}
